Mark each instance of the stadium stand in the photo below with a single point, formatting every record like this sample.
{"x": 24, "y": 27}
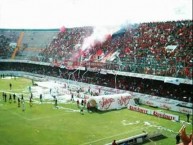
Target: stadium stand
{"x": 65, "y": 44}
{"x": 8, "y": 42}
{"x": 182, "y": 92}
{"x": 34, "y": 42}
{"x": 17, "y": 48}
{"x": 158, "y": 48}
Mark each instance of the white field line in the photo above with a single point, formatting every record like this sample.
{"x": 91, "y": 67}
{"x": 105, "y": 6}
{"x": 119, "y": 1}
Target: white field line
{"x": 50, "y": 116}
{"x": 154, "y": 143}
{"x": 39, "y": 118}
{"x": 113, "y": 136}
{"x": 46, "y": 117}
{"x": 124, "y": 133}
{"x": 14, "y": 113}
{"x": 12, "y": 92}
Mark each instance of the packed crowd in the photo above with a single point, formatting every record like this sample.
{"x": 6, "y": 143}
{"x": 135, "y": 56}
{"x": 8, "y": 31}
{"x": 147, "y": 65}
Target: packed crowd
{"x": 150, "y": 47}
{"x": 145, "y": 45}
{"x": 141, "y": 48}
{"x": 66, "y": 44}
{"x": 181, "y": 92}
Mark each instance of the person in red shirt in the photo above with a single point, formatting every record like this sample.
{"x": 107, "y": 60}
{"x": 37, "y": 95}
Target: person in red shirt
{"x": 77, "y": 103}
{"x": 114, "y": 142}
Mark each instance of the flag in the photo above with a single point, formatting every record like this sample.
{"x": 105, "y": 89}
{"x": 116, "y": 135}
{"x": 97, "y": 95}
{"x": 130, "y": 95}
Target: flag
{"x": 187, "y": 140}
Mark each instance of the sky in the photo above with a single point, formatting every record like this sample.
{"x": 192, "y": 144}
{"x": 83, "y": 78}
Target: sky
{"x": 78, "y": 13}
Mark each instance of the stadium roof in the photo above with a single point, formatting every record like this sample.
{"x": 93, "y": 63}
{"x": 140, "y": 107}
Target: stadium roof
{"x": 76, "y": 13}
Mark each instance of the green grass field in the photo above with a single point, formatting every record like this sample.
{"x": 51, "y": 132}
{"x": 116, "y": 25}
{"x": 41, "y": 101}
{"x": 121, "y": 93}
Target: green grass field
{"x": 42, "y": 124}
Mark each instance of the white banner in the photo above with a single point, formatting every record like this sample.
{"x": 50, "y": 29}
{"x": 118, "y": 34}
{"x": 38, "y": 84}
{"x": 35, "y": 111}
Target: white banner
{"x": 139, "y": 109}
{"x": 165, "y": 103}
{"x": 166, "y": 115}
{"x": 154, "y": 112}
{"x": 109, "y": 102}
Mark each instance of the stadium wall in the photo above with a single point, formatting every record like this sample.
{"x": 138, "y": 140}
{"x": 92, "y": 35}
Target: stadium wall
{"x": 154, "y": 101}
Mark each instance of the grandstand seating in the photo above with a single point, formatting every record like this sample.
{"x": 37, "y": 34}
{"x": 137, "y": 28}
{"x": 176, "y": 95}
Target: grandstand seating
{"x": 66, "y": 43}
{"x": 8, "y": 37}
{"x": 141, "y": 48}
{"x": 160, "y": 48}
{"x": 34, "y": 42}
{"x": 182, "y": 92}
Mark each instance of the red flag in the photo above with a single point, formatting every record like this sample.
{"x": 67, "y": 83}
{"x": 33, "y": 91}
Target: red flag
{"x": 187, "y": 140}
{"x": 99, "y": 52}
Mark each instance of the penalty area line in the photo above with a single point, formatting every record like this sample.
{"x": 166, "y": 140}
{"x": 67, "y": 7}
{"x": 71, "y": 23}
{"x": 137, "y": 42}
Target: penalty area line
{"x": 14, "y": 113}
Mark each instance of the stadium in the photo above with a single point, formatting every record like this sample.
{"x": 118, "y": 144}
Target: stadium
{"x": 126, "y": 84}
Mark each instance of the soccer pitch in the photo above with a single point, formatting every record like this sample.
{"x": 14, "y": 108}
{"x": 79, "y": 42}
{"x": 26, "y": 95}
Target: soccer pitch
{"x": 43, "y": 124}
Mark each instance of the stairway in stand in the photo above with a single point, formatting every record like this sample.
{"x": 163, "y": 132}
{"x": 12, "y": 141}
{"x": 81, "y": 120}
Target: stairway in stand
{"x": 19, "y": 41}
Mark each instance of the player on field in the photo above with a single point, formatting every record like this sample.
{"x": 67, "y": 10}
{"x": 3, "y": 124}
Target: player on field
{"x": 14, "y": 98}
{"x": 10, "y": 98}
{"x": 30, "y": 89}
{"x": 5, "y": 97}
{"x": 18, "y": 101}
{"x": 10, "y": 86}
{"x": 41, "y": 98}
{"x": 81, "y": 109}
{"x": 55, "y": 102}
{"x": 30, "y": 101}
{"x": 31, "y": 96}
{"x": 78, "y": 103}
{"x": 23, "y": 105}
{"x": 72, "y": 97}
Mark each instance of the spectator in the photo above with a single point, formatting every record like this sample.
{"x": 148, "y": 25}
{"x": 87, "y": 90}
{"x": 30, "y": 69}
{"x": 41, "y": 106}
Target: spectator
{"x": 114, "y": 142}
{"x": 178, "y": 138}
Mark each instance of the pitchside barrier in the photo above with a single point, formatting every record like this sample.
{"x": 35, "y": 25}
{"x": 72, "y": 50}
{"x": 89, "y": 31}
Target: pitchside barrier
{"x": 132, "y": 140}
{"x": 157, "y": 113}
